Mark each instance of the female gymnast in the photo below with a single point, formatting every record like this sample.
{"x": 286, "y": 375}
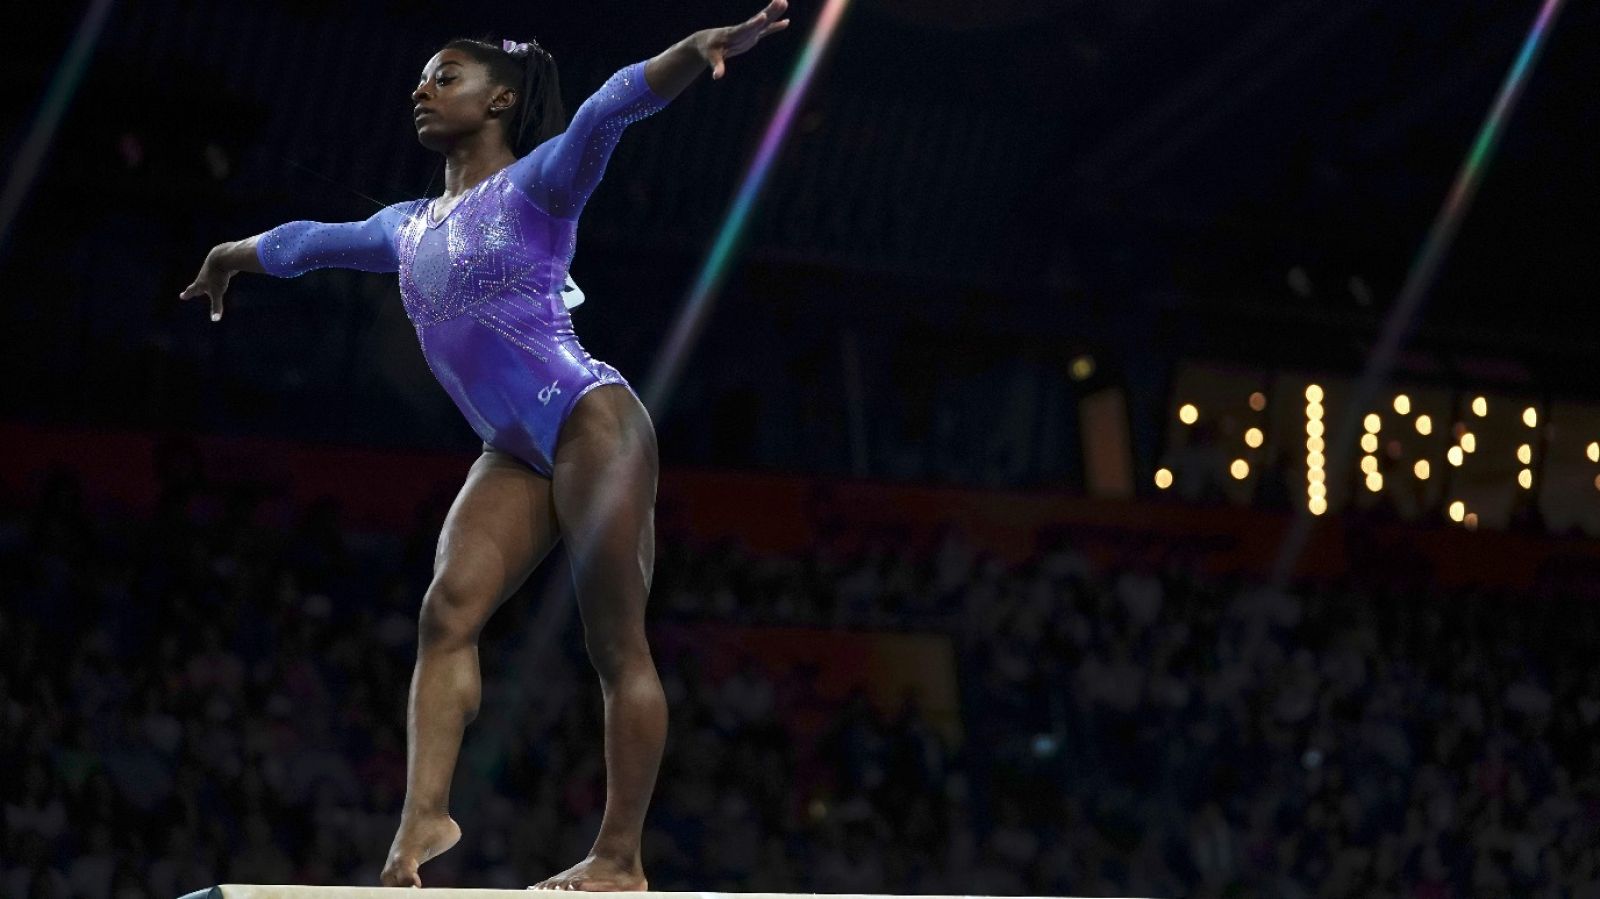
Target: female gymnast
{"x": 569, "y": 451}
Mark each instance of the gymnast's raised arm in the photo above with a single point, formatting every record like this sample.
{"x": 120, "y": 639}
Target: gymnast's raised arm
{"x": 676, "y": 67}
{"x": 560, "y": 174}
{"x": 295, "y": 248}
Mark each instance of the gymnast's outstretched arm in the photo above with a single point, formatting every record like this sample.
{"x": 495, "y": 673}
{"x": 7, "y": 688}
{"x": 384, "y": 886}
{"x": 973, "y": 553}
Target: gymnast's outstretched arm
{"x": 675, "y": 68}
{"x": 295, "y": 248}
{"x": 561, "y": 173}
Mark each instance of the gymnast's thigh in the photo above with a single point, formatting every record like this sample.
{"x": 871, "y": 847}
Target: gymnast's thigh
{"x": 500, "y": 527}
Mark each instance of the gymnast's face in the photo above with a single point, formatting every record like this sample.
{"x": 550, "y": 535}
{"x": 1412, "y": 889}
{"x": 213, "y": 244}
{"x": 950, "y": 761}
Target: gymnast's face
{"x": 456, "y": 99}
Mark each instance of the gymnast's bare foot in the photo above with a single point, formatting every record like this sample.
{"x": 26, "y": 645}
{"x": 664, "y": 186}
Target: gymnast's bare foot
{"x": 596, "y": 873}
{"x": 418, "y": 840}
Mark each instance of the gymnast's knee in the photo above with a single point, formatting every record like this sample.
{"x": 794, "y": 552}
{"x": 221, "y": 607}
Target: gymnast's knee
{"x": 452, "y": 613}
{"x": 614, "y": 655}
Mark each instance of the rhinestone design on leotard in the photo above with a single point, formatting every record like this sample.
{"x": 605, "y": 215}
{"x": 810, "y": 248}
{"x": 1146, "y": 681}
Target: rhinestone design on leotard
{"x": 519, "y": 226}
{"x": 483, "y": 285}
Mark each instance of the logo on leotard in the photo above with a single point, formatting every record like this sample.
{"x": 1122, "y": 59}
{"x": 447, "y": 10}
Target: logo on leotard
{"x": 549, "y": 393}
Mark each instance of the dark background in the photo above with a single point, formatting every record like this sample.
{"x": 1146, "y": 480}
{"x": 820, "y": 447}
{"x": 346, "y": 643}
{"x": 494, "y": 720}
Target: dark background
{"x": 969, "y": 198}
{"x": 203, "y": 659}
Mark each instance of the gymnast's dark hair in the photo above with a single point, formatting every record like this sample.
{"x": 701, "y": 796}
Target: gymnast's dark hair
{"x": 538, "y": 115}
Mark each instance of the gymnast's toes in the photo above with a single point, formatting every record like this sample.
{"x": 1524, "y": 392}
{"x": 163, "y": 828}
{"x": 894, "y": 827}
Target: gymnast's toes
{"x": 417, "y": 841}
{"x": 597, "y": 874}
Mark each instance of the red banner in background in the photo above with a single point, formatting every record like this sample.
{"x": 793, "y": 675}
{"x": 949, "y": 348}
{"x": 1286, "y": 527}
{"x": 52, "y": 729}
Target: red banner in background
{"x": 376, "y": 489}
{"x": 383, "y": 489}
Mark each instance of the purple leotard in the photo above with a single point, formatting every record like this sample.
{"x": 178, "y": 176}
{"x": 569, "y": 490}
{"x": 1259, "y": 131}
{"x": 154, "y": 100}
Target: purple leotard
{"x": 483, "y": 285}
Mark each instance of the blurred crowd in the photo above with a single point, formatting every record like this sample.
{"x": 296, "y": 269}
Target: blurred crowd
{"x": 215, "y": 692}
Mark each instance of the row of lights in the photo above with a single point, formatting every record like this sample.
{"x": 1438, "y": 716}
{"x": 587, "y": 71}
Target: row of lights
{"x": 1466, "y": 443}
{"x": 1254, "y": 437}
{"x": 1372, "y": 424}
{"x": 1316, "y": 472}
{"x": 1480, "y": 408}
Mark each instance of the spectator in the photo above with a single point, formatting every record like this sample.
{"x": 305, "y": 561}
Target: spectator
{"x": 1127, "y": 729}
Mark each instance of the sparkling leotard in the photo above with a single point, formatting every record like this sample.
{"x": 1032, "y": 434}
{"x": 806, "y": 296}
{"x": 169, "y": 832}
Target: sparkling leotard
{"x": 483, "y": 286}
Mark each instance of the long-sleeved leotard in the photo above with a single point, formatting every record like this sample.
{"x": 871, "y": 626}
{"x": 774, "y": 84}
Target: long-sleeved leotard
{"x": 483, "y": 285}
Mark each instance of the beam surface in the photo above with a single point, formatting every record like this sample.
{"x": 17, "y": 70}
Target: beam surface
{"x": 246, "y": 891}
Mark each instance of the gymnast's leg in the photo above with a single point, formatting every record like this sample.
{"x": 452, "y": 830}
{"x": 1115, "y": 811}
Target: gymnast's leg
{"x": 605, "y": 492}
{"x": 501, "y": 525}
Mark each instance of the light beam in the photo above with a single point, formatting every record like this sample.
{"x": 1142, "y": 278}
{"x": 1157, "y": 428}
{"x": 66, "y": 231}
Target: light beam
{"x": 1425, "y": 268}
{"x": 57, "y": 97}
{"x": 714, "y": 271}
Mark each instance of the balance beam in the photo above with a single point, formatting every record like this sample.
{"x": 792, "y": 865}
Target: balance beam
{"x": 245, "y": 891}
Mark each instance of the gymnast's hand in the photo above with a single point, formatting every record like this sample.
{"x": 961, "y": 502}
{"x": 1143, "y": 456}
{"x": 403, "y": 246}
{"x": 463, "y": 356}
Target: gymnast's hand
{"x": 222, "y": 263}
{"x": 717, "y": 45}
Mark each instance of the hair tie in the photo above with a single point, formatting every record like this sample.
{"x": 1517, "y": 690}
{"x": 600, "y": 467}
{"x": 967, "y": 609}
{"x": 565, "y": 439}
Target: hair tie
{"x": 516, "y": 49}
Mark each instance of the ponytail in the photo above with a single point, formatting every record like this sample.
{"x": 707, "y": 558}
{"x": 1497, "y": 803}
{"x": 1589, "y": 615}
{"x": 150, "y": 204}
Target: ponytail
{"x": 530, "y": 70}
{"x": 540, "y": 115}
